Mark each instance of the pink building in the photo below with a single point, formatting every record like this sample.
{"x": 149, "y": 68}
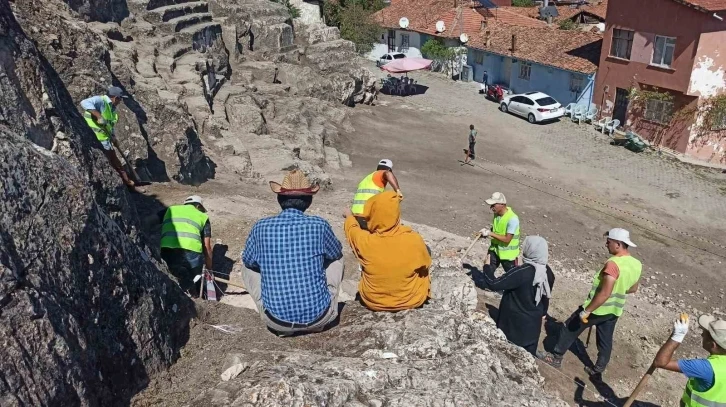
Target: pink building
{"x": 676, "y": 47}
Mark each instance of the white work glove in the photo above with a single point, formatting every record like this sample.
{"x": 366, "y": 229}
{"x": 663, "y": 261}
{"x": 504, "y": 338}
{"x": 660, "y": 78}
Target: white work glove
{"x": 484, "y": 232}
{"x": 680, "y": 329}
{"x": 101, "y": 121}
{"x": 400, "y": 195}
{"x": 584, "y": 315}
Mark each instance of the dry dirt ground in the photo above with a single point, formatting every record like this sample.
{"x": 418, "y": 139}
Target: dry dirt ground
{"x": 566, "y": 183}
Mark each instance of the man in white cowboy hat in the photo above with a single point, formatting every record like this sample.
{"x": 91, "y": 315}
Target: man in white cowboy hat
{"x": 186, "y": 241}
{"x": 706, "y": 377}
{"x": 292, "y": 263}
{"x": 373, "y": 184}
{"x": 619, "y": 277}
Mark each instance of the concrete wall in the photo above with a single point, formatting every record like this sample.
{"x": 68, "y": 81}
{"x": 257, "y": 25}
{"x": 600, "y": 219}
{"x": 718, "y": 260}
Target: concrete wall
{"x": 707, "y": 74}
{"x": 552, "y": 81}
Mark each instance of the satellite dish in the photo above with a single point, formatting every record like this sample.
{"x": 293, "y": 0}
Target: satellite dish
{"x": 464, "y": 38}
{"x": 440, "y": 27}
{"x": 403, "y": 22}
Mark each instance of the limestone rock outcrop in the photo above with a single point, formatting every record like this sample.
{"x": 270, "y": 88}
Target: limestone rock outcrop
{"x": 86, "y": 314}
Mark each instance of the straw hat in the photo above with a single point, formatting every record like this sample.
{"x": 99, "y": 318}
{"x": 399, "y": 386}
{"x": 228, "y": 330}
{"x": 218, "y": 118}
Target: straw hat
{"x": 295, "y": 183}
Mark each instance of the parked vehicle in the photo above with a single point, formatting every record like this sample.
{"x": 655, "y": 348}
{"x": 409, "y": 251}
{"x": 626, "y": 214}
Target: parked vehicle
{"x": 535, "y": 106}
{"x": 496, "y": 93}
{"x": 386, "y": 58}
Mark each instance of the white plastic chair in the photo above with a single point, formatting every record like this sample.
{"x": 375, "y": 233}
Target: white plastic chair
{"x": 591, "y": 114}
{"x": 568, "y": 109}
{"x": 611, "y": 126}
{"x": 600, "y": 124}
{"x": 578, "y": 114}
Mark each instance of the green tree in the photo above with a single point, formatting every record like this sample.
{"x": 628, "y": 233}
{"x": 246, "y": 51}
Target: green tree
{"x": 568, "y": 24}
{"x": 353, "y": 18}
{"x": 294, "y": 11}
{"x": 523, "y": 3}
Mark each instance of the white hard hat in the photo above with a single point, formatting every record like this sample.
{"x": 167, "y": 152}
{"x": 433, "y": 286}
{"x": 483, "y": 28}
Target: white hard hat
{"x": 193, "y": 199}
{"x": 388, "y": 163}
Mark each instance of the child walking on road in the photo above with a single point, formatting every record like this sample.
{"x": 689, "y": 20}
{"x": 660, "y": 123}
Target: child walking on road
{"x": 470, "y": 154}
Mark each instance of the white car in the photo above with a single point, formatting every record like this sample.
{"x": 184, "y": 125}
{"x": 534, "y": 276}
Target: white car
{"x": 386, "y": 58}
{"x": 535, "y": 106}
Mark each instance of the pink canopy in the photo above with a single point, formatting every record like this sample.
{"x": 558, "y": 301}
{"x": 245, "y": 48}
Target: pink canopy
{"x": 407, "y": 65}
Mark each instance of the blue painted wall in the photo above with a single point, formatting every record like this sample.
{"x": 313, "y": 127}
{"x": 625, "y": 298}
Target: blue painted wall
{"x": 552, "y": 81}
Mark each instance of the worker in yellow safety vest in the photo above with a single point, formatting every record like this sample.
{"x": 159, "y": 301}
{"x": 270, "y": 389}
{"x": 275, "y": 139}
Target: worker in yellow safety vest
{"x": 504, "y": 233}
{"x": 706, "y": 386}
{"x": 186, "y": 241}
{"x": 101, "y": 116}
{"x": 604, "y": 304}
{"x": 373, "y": 184}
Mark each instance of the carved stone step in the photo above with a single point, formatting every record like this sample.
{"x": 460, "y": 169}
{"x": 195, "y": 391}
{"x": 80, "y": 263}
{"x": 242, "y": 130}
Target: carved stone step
{"x": 180, "y": 23}
{"x": 166, "y": 13}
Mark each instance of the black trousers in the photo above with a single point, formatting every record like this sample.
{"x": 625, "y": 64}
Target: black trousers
{"x": 495, "y": 261}
{"x": 472, "y": 153}
{"x": 605, "y": 328}
{"x": 184, "y": 265}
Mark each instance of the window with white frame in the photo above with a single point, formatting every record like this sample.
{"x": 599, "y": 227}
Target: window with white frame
{"x": 659, "y": 111}
{"x": 663, "y": 50}
{"x": 577, "y": 83}
{"x": 404, "y": 42}
{"x": 525, "y": 70}
{"x": 479, "y": 57}
{"x": 622, "y": 43}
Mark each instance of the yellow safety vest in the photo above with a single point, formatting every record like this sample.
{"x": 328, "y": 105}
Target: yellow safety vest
{"x": 713, "y": 397}
{"x": 183, "y": 228}
{"x": 366, "y": 190}
{"x": 109, "y": 115}
{"x": 630, "y": 269}
{"x": 499, "y": 226}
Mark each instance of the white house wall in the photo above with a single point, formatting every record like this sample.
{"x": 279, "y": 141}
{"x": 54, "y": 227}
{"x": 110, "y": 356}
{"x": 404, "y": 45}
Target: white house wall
{"x": 414, "y": 45}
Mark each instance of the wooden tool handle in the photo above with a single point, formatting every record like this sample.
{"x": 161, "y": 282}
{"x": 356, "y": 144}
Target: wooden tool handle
{"x": 221, "y": 280}
{"x": 640, "y": 386}
{"x": 470, "y": 246}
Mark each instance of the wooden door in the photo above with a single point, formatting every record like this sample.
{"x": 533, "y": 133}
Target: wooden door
{"x": 620, "y": 110}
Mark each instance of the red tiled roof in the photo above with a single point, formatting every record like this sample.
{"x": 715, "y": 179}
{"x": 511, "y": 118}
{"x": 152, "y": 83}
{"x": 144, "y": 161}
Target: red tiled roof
{"x": 706, "y": 5}
{"x": 507, "y": 16}
{"x": 577, "y": 51}
{"x": 423, "y": 15}
{"x": 597, "y": 10}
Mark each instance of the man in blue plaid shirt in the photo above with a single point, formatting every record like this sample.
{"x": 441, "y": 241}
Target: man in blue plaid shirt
{"x": 293, "y": 266}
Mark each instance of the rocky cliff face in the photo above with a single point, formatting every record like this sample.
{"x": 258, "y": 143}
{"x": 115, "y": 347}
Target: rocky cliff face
{"x": 86, "y": 315}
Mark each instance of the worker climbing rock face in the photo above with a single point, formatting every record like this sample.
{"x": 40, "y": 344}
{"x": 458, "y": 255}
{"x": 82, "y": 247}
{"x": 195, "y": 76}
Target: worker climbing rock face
{"x": 504, "y": 233}
{"x": 101, "y": 116}
{"x": 186, "y": 241}
{"x": 604, "y": 304}
{"x": 373, "y": 184}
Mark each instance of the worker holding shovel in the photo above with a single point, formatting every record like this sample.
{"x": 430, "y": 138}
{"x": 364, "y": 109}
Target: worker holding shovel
{"x": 706, "y": 377}
{"x": 101, "y": 116}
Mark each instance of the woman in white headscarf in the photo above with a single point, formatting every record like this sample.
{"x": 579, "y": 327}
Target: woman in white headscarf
{"x": 527, "y": 292}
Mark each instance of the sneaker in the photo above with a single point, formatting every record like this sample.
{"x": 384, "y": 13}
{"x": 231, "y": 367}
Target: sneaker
{"x": 550, "y": 358}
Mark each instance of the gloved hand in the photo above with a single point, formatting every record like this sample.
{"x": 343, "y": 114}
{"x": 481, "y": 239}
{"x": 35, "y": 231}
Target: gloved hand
{"x": 101, "y": 121}
{"x": 484, "y": 232}
{"x": 584, "y": 315}
{"x": 680, "y": 328}
{"x": 400, "y": 195}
